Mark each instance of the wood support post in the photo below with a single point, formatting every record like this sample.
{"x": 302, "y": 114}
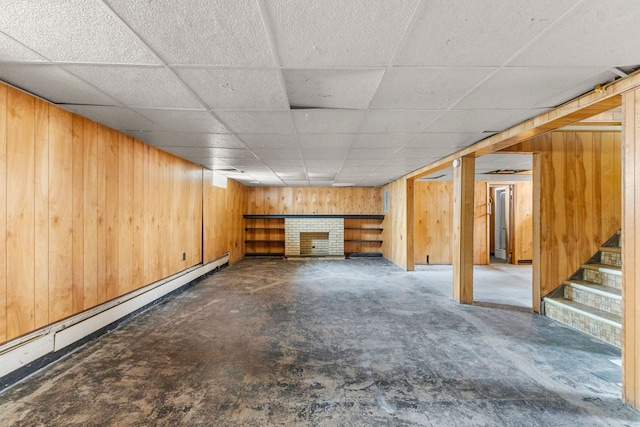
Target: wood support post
{"x": 463, "y": 213}
{"x": 409, "y": 226}
{"x": 631, "y": 249}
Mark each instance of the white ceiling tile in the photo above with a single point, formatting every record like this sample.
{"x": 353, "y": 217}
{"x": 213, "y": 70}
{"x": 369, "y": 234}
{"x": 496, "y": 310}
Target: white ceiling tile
{"x": 236, "y": 88}
{"x": 386, "y": 121}
{"x": 284, "y": 164}
{"x": 224, "y": 32}
{"x": 329, "y": 33}
{"x": 481, "y": 120}
{"x": 331, "y": 88}
{"x": 324, "y": 154}
{"x": 473, "y": 33}
{"x": 445, "y": 140}
{"x": 274, "y": 122}
{"x": 53, "y": 83}
{"x": 382, "y": 140}
{"x": 115, "y": 117}
{"x": 190, "y": 139}
{"x": 322, "y": 165}
{"x": 11, "y": 50}
{"x": 233, "y": 153}
{"x": 327, "y": 121}
{"x": 138, "y": 86}
{"x": 364, "y": 162}
{"x": 522, "y": 88}
{"x": 266, "y": 153}
{"x": 183, "y": 120}
{"x": 268, "y": 140}
{"x": 419, "y": 153}
{"x": 73, "y": 31}
{"x": 326, "y": 140}
{"x": 425, "y": 88}
{"x": 371, "y": 153}
{"x": 241, "y": 162}
{"x": 598, "y": 33}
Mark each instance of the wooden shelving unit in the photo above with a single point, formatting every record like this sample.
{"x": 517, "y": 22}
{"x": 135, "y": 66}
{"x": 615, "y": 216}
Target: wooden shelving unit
{"x": 264, "y": 236}
{"x": 363, "y": 236}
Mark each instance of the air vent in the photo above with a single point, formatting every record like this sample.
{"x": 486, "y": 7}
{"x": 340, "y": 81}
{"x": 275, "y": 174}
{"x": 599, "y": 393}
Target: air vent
{"x": 433, "y": 177}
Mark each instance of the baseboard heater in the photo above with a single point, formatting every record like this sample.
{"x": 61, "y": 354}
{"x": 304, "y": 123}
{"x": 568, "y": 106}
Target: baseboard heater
{"x": 28, "y": 354}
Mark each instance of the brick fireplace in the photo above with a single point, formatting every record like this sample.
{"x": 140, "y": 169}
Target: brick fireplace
{"x": 314, "y": 236}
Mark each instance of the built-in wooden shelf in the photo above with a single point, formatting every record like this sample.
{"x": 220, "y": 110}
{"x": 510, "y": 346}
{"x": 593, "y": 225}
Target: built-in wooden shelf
{"x": 265, "y": 233}
{"x": 282, "y": 216}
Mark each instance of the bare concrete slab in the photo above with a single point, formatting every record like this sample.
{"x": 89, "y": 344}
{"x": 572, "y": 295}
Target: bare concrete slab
{"x": 354, "y": 342}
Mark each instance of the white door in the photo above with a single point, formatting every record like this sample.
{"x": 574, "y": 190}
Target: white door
{"x": 501, "y": 224}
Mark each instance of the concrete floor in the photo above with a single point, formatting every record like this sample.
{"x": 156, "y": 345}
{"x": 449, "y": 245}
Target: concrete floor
{"x": 330, "y": 343}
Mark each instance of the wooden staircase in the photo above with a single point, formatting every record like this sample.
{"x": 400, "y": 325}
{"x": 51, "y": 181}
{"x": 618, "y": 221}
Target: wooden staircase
{"x": 591, "y": 299}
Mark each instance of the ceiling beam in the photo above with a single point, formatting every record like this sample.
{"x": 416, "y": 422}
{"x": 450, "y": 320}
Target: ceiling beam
{"x": 603, "y": 99}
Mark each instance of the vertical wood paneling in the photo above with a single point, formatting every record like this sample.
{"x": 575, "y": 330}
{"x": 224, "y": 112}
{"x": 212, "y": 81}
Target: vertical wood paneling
{"x": 480, "y": 224}
{"x": 124, "y": 203}
{"x": 433, "y": 229}
{"x": 139, "y": 253}
{"x": 90, "y": 213}
{"x": 394, "y": 224}
{"x": 77, "y": 229}
{"x": 102, "y": 238}
{"x": 41, "y": 262}
{"x": 20, "y": 213}
{"x": 311, "y": 200}
{"x": 3, "y": 213}
{"x": 60, "y": 214}
{"x": 111, "y": 208}
{"x": 523, "y": 222}
{"x": 631, "y": 251}
{"x": 578, "y": 202}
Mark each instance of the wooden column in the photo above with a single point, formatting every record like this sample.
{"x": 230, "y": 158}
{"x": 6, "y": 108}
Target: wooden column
{"x": 463, "y": 213}
{"x": 409, "y": 225}
{"x": 537, "y": 254}
{"x": 631, "y": 249}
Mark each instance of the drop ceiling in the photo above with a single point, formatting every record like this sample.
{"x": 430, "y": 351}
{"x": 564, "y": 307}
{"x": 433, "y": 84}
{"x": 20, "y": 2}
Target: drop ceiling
{"x": 322, "y": 92}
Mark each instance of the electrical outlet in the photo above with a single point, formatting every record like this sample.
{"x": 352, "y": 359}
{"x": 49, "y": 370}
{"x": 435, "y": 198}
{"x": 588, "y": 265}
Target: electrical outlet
{"x": 184, "y": 256}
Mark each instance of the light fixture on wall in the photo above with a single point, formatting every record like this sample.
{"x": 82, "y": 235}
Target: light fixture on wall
{"x": 457, "y": 163}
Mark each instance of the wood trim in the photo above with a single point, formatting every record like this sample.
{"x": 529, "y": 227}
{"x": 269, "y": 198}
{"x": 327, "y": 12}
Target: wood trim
{"x": 409, "y": 237}
{"x": 631, "y": 251}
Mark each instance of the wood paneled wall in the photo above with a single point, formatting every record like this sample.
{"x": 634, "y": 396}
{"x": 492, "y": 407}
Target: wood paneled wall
{"x": 89, "y": 214}
{"x": 522, "y": 242}
{"x": 312, "y": 200}
{"x": 394, "y": 233}
{"x": 223, "y": 221}
{"x": 433, "y": 222}
{"x": 577, "y": 187}
{"x": 631, "y": 251}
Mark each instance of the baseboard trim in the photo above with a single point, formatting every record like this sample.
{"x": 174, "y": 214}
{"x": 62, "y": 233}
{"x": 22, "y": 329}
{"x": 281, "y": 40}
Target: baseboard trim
{"x": 24, "y": 356}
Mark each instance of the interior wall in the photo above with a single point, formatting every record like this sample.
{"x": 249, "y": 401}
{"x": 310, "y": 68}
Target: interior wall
{"x": 433, "y": 222}
{"x": 522, "y": 243}
{"x": 314, "y": 200}
{"x": 89, "y": 214}
{"x": 577, "y": 188}
{"x": 394, "y": 233}
{"x": 223, "y": 223}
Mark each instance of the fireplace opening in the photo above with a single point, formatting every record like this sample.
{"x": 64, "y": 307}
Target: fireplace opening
{"x": 314, "y": 243}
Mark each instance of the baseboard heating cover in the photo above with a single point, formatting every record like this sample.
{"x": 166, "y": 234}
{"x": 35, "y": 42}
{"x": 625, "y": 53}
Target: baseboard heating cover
{"x": 24, "y": 356}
